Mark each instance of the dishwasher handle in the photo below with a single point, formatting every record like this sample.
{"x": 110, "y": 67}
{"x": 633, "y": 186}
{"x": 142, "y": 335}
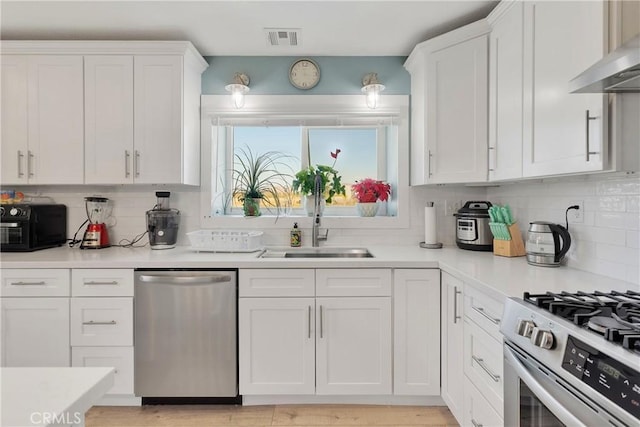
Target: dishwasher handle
{"x": 185, "y": 280}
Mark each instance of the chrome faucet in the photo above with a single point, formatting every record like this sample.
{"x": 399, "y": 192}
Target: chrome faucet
{"x": 317, "y": 200}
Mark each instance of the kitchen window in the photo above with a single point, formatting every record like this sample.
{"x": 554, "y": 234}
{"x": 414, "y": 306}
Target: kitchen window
{"x": 306, "y": 129}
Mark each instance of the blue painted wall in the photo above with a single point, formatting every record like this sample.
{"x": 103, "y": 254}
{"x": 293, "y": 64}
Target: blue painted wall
{"x": 339, "y": 75}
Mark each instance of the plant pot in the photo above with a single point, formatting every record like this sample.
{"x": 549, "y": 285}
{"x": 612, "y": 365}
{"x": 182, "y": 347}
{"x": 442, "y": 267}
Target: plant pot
{"x": 367, "y": 209}
{"x": 251, "y": 206}
{"x": 309, "y": 205}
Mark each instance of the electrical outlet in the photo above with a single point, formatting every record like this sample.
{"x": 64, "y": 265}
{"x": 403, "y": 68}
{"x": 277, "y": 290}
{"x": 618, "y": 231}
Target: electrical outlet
{"x": 576, "y": 215}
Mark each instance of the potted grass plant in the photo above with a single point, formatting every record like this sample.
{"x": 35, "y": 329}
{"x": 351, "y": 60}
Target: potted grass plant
{"x": 260, "y": 180}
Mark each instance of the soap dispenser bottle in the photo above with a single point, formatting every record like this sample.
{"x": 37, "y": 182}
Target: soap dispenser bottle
{"x": 296, "y": 236}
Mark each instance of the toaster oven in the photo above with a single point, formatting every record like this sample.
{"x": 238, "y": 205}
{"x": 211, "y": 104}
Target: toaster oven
{"x": 30, "y": 227}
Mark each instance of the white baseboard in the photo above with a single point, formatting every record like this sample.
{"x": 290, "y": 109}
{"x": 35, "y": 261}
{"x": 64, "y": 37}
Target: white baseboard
{"x": 119, "y": 400}
{"x": 344, "y": 400}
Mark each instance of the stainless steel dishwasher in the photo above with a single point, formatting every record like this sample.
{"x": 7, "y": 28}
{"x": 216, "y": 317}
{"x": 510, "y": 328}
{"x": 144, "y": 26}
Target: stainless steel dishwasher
{"x": 185, "y": 333}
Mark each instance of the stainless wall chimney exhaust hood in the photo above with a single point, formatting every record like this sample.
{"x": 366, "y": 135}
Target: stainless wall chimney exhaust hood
{"x": 617, "y": 72}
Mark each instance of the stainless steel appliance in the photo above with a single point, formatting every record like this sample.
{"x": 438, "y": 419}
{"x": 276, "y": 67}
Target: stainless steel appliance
{"x": 185, "y": 333}
{"x": 572, "y": 359}
{"x": 163, "y": 223}
{"x": 547, "y": 244}
{"x": 31, "y": 227}
{"x": 472, "y": 227}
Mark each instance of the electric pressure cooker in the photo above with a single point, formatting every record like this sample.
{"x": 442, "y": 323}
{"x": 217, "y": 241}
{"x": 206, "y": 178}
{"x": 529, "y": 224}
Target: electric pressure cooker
{"x": 472, "y": 227}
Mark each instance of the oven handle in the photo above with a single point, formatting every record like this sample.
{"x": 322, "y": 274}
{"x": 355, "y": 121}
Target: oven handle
{"x": 549, "y": 401}
{"x": 9, "y": 225}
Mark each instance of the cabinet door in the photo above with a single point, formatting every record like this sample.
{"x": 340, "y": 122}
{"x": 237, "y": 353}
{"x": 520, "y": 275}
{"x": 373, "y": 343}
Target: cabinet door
{"x": 505, "y": 98}
{"x": 56, "y": 120}
{"x": 35, "y": 332}
{"x": 452, "y": 345}
{"x": 477, "y": 411}
{"x": 416, "y": 303}
{"x": 108, "y": 119}
{"x": 353, "y": 345}
{"x": 158, "y": 119}
{"x": 120, "y": 358}
{"x": 457, "y": 91}
{"x": 562, "y": 39}
{"x": 101, "y": 321}
{"x": 276, "y": 345}
{"x": 14, "y": 119}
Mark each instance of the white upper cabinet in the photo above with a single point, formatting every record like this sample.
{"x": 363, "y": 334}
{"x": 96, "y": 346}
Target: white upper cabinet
{"x": 505, "y": 96}
{"x": 563, "y": 132}
{"x": 42, "y": 119}
{"x": 449, "y": 90}
{"x": 131, "y": 115}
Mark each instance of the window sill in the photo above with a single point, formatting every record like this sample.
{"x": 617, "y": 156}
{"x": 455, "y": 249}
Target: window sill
{"x": 286, "y": 222}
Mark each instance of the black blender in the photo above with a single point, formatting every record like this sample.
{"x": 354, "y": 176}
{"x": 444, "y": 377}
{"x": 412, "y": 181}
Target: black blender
{"x": 163, "y": 223}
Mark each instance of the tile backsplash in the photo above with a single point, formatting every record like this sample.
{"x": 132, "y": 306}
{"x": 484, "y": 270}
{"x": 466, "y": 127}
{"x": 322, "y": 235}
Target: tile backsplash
{"x": 606, "y": 242}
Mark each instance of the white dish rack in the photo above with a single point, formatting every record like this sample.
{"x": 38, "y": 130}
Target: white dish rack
{"x": 225, "y": 240}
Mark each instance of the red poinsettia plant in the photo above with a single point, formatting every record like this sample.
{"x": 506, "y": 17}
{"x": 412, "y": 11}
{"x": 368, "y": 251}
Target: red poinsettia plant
{"x": 369, "y": 190}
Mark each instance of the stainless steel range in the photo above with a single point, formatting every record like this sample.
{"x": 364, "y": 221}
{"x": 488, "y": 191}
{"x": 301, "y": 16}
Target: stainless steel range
{"x": 572, "y": 359}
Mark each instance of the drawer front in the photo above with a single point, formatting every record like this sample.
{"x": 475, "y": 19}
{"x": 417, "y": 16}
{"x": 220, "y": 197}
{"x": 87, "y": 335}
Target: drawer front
{"x": 120, "y": 358}
{"x": 104, "y": 282}
{"x": 46, "y": 282}
{"x": 101, "y": 321}
{"x": 353, "y": 282}
{"x": 477, "y": 411}
{"x": 276, "y": 283}
{"x": 483, "y": 310}
{"x": 483, "y": 364}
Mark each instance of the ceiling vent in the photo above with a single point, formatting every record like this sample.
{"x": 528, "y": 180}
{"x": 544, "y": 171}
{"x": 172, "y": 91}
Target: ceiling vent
{"x": 283, "y": 37}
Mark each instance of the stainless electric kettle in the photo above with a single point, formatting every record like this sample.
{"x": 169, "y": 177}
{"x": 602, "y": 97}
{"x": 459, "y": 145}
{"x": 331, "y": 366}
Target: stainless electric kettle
{"x": 547, "y": 243}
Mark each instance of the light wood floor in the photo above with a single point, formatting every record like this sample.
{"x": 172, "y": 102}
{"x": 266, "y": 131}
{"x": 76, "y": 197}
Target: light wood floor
{"x": 261, "y": 416}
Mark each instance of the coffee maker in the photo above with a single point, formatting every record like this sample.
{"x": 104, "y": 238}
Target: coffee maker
{"x": 98, "y": 211}
{"x": 163, "y": 223}
{"x": 547, "y": 244}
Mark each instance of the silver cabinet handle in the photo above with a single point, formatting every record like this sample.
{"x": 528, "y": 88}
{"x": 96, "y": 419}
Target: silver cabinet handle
{"x": 30, "y": 163}
{"x": 456, "y": 292}
{"x": 480, "y": 362}
{"x": 136, "y": 164}
{"x": 589, "y": 117}
{"x": 92, "y": 322}
{"x": 114, "y": 282}
{"x": 481, "y": 311}
{"x": 429, "y": 163}
{"x": 127, "y": 157}
{"x": 28, "y": 283}
{"x": 475, "y": 423}
{"x": 321, "y": 328}
{"x": 492, "y": 154}
{"x": 20, "y": 158}
{"x": 309, "y": 334}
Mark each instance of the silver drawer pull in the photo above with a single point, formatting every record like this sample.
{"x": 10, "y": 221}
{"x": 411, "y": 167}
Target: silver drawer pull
{"x": 114, "y": 282}
{"x": 92, "y": 322}
{"x": 28, "y": 283}
{"x": 481, "y": 311}
{"x": 480, "y": 362}
{"x": 475, "y": 423}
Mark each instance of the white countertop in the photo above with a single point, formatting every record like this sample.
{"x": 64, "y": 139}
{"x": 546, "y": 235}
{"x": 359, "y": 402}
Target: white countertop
{"x": 498, "y": 276}
{"x": 37, "y": 396}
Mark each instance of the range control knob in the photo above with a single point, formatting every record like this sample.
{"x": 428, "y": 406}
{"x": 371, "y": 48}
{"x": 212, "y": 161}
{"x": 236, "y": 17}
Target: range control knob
{"x": 542, "y": 338}
{"x": 525, "y": 328}
{"x": 1, "y": 211}
{"x": 15, "y": 212}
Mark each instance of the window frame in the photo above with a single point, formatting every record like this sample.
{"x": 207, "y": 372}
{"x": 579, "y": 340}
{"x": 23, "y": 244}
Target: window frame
{"x": 216, "y": 109}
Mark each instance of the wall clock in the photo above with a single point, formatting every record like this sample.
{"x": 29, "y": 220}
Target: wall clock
{"x": 304, "y": 73}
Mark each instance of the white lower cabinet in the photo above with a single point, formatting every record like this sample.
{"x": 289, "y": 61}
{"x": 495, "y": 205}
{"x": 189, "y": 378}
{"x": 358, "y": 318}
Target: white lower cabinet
{"x": 452, "y": 344}
{"x": 353, "y": 339}
{"x": 35, "y": 332}
{"x": 476, "y": 411}
{"x": 277, "y": 345}
{"x": 293, "y": 343}
{"x": 120, "y": 358}
{"x": 416, "y": 346}
{"x": 34, "y": 317}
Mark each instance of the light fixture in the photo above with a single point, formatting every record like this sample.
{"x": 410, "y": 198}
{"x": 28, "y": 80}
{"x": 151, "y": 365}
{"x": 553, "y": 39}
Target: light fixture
{"x": 371, "y": 88}
{"x": 238, "y": 89}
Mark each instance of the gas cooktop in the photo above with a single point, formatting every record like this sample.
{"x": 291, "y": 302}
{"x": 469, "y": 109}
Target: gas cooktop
{"x": 614, "y": 315}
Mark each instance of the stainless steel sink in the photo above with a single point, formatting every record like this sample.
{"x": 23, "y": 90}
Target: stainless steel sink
{"x": 316, "y": 253}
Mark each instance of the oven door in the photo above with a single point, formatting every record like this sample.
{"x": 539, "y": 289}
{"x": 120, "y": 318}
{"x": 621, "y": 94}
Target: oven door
{"x": 535, "y": 397}
{"x": 14, "y": 236}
